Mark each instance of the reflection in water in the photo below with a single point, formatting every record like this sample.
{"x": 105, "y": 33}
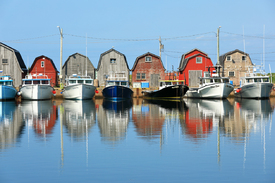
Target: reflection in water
{"x": 41, "y": 115}
{"x": 113, "y": 118}
{"x": 10, "y": 124}
{"x": 149, "y": 116}
{"x": 78, "y": 117}
{"x": 204, "y": 114}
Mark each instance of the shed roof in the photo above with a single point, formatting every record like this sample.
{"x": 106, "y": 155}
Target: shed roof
{"x": 222, "y": 57}
{"x": 18, "y": 56}
{"x": 105, "y": 53}
{"x": 148, "y": 53}
{"x": 75, "y": 55}
{"x": 46, "y": 58}
{"x": 184, "y": 61}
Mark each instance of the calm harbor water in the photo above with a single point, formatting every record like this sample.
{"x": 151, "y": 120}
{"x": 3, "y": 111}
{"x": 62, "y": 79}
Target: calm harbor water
{"x": 137, "y": 141}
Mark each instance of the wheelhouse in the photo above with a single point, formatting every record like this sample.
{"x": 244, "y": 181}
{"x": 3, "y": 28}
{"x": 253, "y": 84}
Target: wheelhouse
{"x": 212, "y": 80}
{"x": 36, "y": 81}
{"x": 117, "y": 83}
{"x": 6, "y": 81}
{"x": 74, "y": 80}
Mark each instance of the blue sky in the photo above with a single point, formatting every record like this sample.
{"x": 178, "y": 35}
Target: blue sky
{"x": 134, "y": 27}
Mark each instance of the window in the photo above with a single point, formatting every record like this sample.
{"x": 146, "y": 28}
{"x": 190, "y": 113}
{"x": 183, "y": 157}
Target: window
{"x": 228, "y": 58}
{"x": 4, "y": 61}
{"x": 143, "y": 76}
{"x": 123, "y": 83}
{"x": 225, "y": 80}
{"x": 199, "y": 60}
{"x": 206, "y": 74}
{"x": 217, "y": 80}
{"x": 148, "y": 59}
{"x": 42, "y": 63}
{"x": 208, "y": 80}
{"x": 72, "y": 81}
{"x": 112, "y": 60}
{"x": 45, "y": 82}
{"x": 231, "y": 74}
{"x": 28, "y": 82}
{"x": 9, "y": 83}
{"x": 266, "y": 80}
{"x": 138, "y": 76}
{"x": 36, "y": 82}
{"x": 249, "y": 80}
{"x": 257, "y": 80}
{"x": 243, "y": 58}
{"x": 88, "y": 81}
{"x": 80, "y": 81}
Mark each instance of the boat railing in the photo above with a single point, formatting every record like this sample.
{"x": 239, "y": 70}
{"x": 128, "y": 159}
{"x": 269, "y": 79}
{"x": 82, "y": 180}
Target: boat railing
{"x": 35, "y": 76}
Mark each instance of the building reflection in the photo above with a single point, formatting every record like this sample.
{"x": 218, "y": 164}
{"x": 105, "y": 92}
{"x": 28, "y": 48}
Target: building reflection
{"x": 41, "y": 115}
{"x": 149, "y": 116}
{"x": 11, "y": 124}
{"x": 78, "y": 116}
{"x": 203, "y": 115}
{"x": 113, "y": 118}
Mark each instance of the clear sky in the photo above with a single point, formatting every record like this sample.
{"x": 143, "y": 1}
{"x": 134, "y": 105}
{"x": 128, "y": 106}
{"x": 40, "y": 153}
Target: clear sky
{"x": 134, "y": 27}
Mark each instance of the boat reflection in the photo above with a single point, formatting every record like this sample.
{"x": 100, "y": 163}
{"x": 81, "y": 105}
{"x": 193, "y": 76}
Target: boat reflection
{"x": 78, "y": 117}
{"x": 203, "y": 115}
{"x": 149, "y": 116}
{"x": 113, "y": 118}
{"x": 41, "y": 115}
{"x": 11, "y": 124}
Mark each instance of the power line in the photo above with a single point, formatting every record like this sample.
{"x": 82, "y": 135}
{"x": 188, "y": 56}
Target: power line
{"x": 260, "y": 37}
{"x": 26, "y": 39}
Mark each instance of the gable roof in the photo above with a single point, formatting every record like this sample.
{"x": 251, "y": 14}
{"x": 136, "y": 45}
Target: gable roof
{"x": 46, "y": 58}
{"x": 184, "y": 61}
{"x": 18, "y": 56}
{"x": 73, "y": 55}
{"x": 109, "y": 51}
{"x": 222, "y": 57}
{"x": 145, "y": 54}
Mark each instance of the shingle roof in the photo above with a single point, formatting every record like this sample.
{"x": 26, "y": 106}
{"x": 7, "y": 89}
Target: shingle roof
{"x": 18, "y": 56}
{"x": 74, "y": 55}
{"x": 148, "y": 53}
{"x": 223, "y": 57}
{"x": 99, "y": 62}
{"x": 184, "y": 61}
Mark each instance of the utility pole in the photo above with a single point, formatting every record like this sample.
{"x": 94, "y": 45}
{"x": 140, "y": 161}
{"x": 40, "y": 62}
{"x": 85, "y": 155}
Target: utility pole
{"x": 61, "y": 49}
{"x": 218, "y": 50}
{"x": 161, "y": 46}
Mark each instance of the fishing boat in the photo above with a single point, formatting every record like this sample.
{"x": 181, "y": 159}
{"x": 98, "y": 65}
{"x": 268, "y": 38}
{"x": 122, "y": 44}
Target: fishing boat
{"x": 36, "y": 87}
{"x": 168, "y": 89}
{"x": 211, "y": 87}
{"x": 117, "y": 87}
{"x": 7, "y": 90}
{"x": 254, "y": 85}
{"x": 79, "y": 88}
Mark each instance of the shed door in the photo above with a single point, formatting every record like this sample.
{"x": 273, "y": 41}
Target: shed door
{"x": 154, "y": 80}
{"x": 194, "y": 80}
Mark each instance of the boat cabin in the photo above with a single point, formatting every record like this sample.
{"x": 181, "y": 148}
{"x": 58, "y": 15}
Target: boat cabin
{"x": 212, "y": 80}
{"x": 167, "y": 83}
{"x": 117, "y": 79}
{"x": 6, "y": 80}
{"x": 253, "y": 78}
{"x": 36, "y": 80}
{"x": 75, "y": 79}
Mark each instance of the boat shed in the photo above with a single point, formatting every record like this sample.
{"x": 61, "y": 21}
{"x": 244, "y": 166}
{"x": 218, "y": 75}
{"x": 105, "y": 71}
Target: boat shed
{"x": 78, "y": 64}
{"x": 45, "y": 66}
{"x": 148, "y": 68}
{"x": 111, "y": 63}
{"x": 235, "y": 64}
{"x": 12, "y": 64}
{"x": 194, "y": 64}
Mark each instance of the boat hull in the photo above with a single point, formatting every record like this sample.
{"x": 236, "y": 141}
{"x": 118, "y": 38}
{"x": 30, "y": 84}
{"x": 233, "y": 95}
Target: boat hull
{"x": 117, "y": 92}
{"x": 36, "y": 92}
{"x": 215, "y": 91}
{"x": 254, "y": 90}
{"x": 79, "y": 92}
{"x": 7, "y": 92}
{"x": 170, "y": 92}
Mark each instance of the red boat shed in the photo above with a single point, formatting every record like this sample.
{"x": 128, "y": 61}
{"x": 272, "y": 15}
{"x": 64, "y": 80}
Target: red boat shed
{"x": 194, "y": 64}
{"x": 44, "y": 65}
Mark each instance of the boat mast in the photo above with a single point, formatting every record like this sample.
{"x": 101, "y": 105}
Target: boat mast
{"x": 218, "y": 50}
{"x": 86, "y": 55}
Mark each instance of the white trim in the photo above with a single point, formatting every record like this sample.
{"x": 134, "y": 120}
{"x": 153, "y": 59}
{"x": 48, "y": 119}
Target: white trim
{"x": 197, "y": 58}
{"x": 229, "y": 59}
{"x": 148, "y": 57}
{"x": 231, "y": 71}
{"x": 42, "y": 63}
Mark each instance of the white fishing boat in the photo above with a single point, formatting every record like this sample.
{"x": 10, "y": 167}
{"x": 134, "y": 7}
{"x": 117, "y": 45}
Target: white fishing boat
{"x": 254, "y": 85}
{"x": 79, "y": 87}
{"x": 211, "y": 87}
{"x": 7, "y": 90}
{"x": 36, "y": 87}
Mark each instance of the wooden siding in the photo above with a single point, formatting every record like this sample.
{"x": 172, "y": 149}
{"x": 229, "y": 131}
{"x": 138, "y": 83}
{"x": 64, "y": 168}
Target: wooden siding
{"x": 154, "y": 70}
{"x": 76, "y": 64}
{"x": 106, "y": 68}
{"x": 12, "y": 66}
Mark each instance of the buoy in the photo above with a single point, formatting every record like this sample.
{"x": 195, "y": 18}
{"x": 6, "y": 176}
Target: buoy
{"x": 238, "y": 90}
{"x": 54, "y": 93}
{"x": 96, "y": 91}
{"x": 19, "y": 93}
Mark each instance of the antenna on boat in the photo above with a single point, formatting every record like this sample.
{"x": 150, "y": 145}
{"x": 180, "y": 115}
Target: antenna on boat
{"x": 264, "y": 49}
{"x": 86, "y": 55}
{"x": 244, "y": 49}
{"x": 218, "y": 50}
